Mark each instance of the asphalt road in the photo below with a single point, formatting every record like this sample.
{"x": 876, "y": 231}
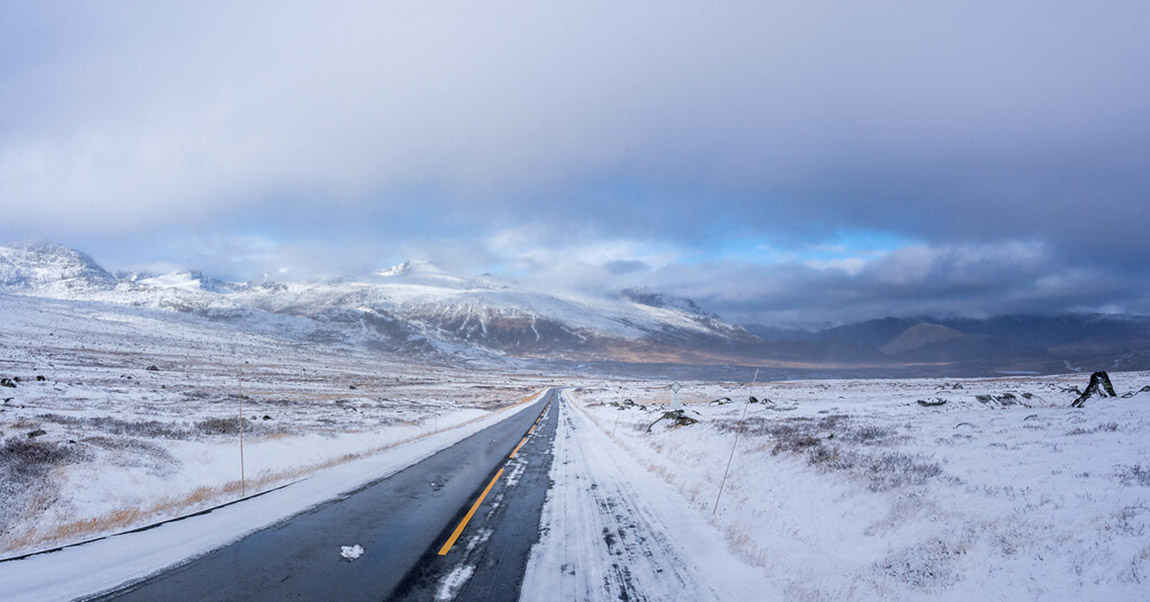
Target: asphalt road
{"x": 488, "y": 561}
{"x": 402, "y": 522}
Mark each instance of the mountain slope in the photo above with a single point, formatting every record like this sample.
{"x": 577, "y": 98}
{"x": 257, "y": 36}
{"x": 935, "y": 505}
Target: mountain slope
{"x": 46, "y": 267}
{"x": 414, "y": 307}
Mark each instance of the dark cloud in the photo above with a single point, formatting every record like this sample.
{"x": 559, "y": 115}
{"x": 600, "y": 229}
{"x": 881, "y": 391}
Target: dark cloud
{"x": 623, "y": 267}
{"x": 964, "y": 129}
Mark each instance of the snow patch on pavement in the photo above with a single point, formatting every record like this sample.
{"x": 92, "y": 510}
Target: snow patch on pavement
{"x": 454, "y": 580}
{"x": 119, "y": 560}
{"x": 351, "y": 552}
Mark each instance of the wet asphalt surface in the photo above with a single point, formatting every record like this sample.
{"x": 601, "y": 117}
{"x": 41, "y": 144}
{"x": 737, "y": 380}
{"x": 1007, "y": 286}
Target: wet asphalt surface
{"x": 401, "y": 522}
{"x": 495, "y": 547}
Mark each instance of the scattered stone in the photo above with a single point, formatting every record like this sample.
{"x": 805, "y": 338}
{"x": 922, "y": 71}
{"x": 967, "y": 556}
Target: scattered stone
{"x": 1029, "y": 417}
{"x": 1099, "y": 385}
{"x": 37, "y": 433}
{"x": 152, "y": 368}
{"x": 8, "y": 382}
{"x": 266, "y": 417}
{"x": 1006, "y": 399}
{"x": 628, "y": 404}
{"x": 352, "y": 387}
{"x": 722, "y": 401}
{"x": 752, "y": 399}
{"x": 931, "y": 403}
{"x": 677, "y": 418}
{"x": 40, "y": 378}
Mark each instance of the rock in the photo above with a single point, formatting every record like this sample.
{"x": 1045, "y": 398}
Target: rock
{"x": 152, "y": 368}
{"x": 931, "y": 403}
{"x": 722, "y": 401}
{"x": 1099, "y": 385}
{"x": 628, "y": 404}
{"x": 752, "y": 399}
{"x": 7, "y": 382}
{"x": 40, "y": 378}
{"x": 37, "y": 433}
{"x": 677, "y": 418}
{"x": 1006, "y": 399}
{"x": 352, "y": 387}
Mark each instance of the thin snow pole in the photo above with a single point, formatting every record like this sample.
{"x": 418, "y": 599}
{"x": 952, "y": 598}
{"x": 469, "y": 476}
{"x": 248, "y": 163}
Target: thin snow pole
{"x": 240, "y": 386}
{"x": 616, "y": 421}
{"x": 738, "y": 431}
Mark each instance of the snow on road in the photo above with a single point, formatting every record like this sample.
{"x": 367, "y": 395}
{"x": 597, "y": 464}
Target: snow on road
{"x": 612, "y": 531}
{"x": 854, "y": 490}
{"x": 108, "y": 563}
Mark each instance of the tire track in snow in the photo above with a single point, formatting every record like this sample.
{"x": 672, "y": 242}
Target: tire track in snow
{"x": 601, "y": 540}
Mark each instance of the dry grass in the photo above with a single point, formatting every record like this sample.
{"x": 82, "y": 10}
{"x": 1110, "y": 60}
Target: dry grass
{"x": 194, "y": 500}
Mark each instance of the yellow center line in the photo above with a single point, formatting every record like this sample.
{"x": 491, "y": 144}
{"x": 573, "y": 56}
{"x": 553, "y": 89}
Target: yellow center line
{"x": 463, "y": 523}
{"x": 517, "y": 448}
{"x": 474, "y": 507}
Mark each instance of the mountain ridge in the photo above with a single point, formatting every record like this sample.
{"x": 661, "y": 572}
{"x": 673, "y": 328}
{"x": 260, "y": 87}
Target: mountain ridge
{"x": 417, "y": 308}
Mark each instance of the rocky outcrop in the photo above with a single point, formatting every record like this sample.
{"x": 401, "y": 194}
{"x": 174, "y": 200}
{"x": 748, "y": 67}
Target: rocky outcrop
{"x": 1099, "y": 385}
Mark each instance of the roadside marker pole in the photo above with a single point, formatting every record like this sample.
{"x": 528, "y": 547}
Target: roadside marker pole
{"x": 240, "y": 384}
{"x": 738, "y": 431}
{"x": 616, "y": 423}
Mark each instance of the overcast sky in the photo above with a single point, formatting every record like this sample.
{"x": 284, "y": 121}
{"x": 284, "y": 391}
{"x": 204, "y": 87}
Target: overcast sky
{"x": 777, "y": 161}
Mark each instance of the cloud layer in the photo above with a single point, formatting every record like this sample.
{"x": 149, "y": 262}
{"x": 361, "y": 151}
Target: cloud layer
{"x": 1001, "y": 146}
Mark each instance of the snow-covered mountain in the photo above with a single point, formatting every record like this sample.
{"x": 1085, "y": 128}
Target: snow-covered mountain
{"x": 413, "y": 307}
{"x": 51, "y": 270}
{"x": 416, "y": 309}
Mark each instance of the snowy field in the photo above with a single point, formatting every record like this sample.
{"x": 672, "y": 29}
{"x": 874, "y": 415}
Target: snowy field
{"x": 122, "y": 417}
{"x": 838, "y": 490}
{"x": 852, "y": 490}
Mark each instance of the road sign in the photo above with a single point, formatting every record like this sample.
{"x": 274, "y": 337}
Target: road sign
{"x": 676, "y": 402}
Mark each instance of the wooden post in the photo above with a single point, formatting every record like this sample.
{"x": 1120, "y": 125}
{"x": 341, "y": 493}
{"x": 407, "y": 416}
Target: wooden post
{"x": 243, "y": 478}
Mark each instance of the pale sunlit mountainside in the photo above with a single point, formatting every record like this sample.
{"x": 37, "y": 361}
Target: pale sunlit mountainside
{"x": 416, "y": 308}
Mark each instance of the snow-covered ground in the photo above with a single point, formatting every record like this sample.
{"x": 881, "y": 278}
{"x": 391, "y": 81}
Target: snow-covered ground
{"x": 611, "y": 530}
{"x": 839, "y": 490}
{"x": 852, "y": 490}
{"x": 122, "y": 416}
{"x": 80, "y": 571}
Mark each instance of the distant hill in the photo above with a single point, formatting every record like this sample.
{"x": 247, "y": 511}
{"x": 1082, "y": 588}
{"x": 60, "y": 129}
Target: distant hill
{"x": 1006, "y": 343}
{"x": 418, "y": 309}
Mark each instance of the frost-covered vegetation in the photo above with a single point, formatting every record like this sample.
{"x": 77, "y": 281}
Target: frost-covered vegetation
{"x": 114, "y": 418}
{"x": 992, "y": 489}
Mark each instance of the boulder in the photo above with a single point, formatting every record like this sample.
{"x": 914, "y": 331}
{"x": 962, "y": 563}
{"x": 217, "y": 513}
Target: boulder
{"x": 1099, "y": 385}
